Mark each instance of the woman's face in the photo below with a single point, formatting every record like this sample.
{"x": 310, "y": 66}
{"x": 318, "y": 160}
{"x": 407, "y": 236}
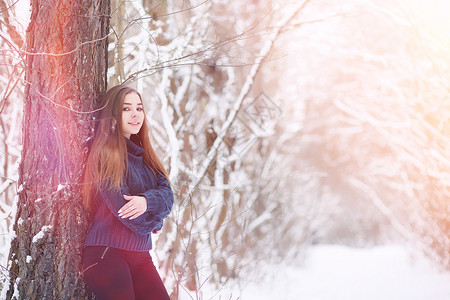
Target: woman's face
{"x": 132, "y": 114}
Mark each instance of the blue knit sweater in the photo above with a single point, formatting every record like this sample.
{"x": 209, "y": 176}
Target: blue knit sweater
{"x": 108, "y": 229}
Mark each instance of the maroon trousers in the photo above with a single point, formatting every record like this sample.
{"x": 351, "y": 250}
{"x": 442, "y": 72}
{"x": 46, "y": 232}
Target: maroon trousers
{"x": 113, "y": 273}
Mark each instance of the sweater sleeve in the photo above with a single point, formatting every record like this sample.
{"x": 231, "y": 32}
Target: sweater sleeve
{"x": 159, "y": 199}
{"x": 144, "y": 224}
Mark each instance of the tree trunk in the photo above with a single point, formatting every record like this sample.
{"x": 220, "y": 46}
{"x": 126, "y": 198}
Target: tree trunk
{"x": 66, "y": 71}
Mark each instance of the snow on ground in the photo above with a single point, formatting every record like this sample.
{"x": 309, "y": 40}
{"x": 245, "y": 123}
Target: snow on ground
{"x": 333, "y": 272}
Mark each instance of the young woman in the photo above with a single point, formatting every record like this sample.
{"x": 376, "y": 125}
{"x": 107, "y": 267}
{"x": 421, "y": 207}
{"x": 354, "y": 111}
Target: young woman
{"x": 129, "y": 195}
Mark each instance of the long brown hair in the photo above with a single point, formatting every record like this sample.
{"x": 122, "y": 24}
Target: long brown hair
{"x": 107, "y": 162}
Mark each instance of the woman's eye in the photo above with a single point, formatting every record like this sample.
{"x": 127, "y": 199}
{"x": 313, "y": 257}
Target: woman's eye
{"x": 126, "y": 109}
{"x": 139, "y": 109}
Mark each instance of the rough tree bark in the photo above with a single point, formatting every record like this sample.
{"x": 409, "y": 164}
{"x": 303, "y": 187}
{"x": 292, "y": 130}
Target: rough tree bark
{"x": 66, "y": 71}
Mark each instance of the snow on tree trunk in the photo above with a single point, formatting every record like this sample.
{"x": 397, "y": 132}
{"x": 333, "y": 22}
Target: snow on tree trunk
{"x": 66, "y": 71}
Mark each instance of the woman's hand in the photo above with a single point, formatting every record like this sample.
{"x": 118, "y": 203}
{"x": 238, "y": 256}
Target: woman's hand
{"x": 135, "y": 207}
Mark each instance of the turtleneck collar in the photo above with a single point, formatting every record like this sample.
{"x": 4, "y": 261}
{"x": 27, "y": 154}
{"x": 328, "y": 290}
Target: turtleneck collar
{"x": 134, "y": 149}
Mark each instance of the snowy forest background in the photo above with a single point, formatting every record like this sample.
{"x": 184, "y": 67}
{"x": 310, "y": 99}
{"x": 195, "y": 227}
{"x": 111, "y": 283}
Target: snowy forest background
{"x": 283, "y": 124}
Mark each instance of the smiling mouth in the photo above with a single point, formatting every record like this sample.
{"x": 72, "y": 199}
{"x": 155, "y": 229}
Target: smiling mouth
{"x": 136, "y": 123}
